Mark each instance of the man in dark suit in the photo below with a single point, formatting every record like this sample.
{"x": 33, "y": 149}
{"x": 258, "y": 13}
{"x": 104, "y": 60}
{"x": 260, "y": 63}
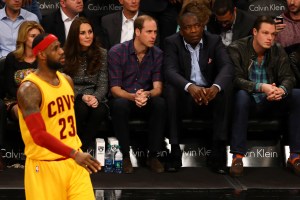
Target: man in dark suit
{"x": 230, "y": 22}
{"x": 198, "y": 73}
{"x": 118, "y": 27}
{"x": 59, "y": 22}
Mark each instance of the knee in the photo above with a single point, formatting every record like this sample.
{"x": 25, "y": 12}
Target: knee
{"x": 158, "y": 103}
{"x": 242, "y": 98}
{"x": 119, "y": 105}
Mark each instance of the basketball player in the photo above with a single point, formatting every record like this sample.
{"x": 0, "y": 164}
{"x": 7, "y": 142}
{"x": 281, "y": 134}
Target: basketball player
{"x": 55, "y": 167}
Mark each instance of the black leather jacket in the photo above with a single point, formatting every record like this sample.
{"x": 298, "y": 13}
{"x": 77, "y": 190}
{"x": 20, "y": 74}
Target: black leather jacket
{"x": 277, "y": 65}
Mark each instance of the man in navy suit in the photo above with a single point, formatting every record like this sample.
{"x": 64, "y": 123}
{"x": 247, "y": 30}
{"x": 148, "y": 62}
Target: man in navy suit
{"x": 198, "y": 74}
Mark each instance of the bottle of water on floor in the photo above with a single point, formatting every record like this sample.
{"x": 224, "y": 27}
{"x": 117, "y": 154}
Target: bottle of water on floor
{"x": 118, "y": 162}
{"x": 109, "y": 160}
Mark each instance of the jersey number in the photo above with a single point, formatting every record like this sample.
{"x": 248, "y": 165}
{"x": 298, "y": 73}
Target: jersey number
{"x": 64, "y": 122}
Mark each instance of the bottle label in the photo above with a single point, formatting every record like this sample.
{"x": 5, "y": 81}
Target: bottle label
{"x": 118, "y": 166}
{"x": 108, "y": 166}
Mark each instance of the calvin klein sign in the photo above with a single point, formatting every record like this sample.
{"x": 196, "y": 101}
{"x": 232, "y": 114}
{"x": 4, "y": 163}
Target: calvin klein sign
{"x": 267, "y": 7}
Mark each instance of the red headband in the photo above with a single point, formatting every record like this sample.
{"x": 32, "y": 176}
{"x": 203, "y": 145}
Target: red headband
{"x": 49, "y": 39}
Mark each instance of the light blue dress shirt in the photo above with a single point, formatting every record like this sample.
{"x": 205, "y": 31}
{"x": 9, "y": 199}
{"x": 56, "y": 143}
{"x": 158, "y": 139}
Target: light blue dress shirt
{"x": 9, "y": 30}
{"x": 196, "y": 74}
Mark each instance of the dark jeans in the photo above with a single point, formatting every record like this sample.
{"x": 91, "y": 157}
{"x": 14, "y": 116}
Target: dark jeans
{"x": 245, "y": 106}
{"x": 122, "y": 110}
{"x": 88, "y": 121}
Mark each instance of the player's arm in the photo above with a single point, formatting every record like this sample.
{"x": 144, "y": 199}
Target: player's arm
{"x": 29, "y": 100}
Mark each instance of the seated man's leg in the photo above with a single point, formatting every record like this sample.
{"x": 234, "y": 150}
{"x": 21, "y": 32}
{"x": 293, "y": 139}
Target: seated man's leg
{"x": 221, "y": 110}
{"x": 120, "y": 113}
{"x": 241, "y": 109}
{"x": 173, "y": 127}
{"x": 157, "y": 122}
{"x": 94, "y": 122}
{"x": 294, "y": 131}
{"x": 82, "y": 113}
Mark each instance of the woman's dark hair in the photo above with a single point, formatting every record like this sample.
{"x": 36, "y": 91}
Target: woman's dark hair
{"x": 73, "y": 51}
{"x": 197, "y": 8}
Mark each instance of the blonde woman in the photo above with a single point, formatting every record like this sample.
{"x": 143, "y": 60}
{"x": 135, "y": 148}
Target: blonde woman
{"x": 19, "y": 63}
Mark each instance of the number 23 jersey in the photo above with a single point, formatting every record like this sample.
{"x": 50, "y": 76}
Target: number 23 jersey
{"x": 57, "y": 110}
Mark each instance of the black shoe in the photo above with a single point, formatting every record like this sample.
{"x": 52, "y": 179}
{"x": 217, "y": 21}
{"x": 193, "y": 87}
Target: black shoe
{"x": 216, "y": 164}
{"x": 173, "y": 163}
{"x": 216, "y": 167}
{"x": 216, "y": 161}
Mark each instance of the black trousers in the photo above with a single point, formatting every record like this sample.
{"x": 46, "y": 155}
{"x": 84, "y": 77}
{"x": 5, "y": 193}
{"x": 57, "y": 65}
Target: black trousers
{"x": 88, "y": 121}
{"x": 122, "y": 110}
{"x": 180, "y": 104}
{"x": 2, "y": 121}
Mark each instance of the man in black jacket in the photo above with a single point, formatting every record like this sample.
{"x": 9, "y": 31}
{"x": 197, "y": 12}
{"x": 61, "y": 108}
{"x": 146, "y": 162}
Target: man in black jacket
{"x": 264, "y": 82}
{"x": 118, "y": 27}
{"x": 230, "y": 22}
{"x": 59, "y": 22}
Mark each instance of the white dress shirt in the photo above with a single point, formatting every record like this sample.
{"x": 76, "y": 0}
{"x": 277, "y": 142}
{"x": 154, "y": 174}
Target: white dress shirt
{"x": 127, "y": 28}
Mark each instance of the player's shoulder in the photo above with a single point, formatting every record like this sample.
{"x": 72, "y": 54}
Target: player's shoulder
{"x": 69, "y": 79}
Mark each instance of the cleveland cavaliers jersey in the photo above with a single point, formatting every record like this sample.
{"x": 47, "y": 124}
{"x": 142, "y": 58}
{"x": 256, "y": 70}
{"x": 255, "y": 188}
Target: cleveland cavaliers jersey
{"x": 57, "y": 110}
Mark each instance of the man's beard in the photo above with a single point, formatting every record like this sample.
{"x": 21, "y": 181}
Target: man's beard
{"x": 54, "y": 65}
{"x": 226, "y": 28}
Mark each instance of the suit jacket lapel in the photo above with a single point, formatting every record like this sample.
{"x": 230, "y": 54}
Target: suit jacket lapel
{"x": 60, "y": 28}
{"x": 187, "y": 63}
{"x": 203, "y": 58}
{"x": 117, "y": 23}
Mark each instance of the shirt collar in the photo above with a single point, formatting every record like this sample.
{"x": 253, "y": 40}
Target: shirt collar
{"x": 3, "y": 13}
{"x": 187, "y": 44}
{"x": 132, "y": 50}
{"x": 124, "y": 19}
{"x": 64, "y": 17}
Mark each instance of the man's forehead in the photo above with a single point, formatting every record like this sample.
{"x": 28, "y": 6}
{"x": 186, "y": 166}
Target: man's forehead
{"x": 54, "y": 44}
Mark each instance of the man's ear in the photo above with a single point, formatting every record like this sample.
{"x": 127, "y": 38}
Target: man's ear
{"x": 254, "y": 32}
{"x": 62, "y": 3}
{"x": 180, "y": 31}
{"x": 42, "y": 55}
{"x": 137, "y": 32}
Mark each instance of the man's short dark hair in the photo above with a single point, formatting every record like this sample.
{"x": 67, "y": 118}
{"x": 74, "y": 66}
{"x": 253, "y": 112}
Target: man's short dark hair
{"x": 221, "y": 7}
{"x": 139, "y": 22}
{"x": 263, "y": 19}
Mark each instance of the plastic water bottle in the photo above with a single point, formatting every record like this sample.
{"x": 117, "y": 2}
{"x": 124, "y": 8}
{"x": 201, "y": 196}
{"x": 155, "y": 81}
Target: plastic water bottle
{"x": 118, "y": 163}
{"x": 109, "y": 160}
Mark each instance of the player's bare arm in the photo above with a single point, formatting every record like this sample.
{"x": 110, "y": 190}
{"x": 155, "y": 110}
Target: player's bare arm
{"x": 29, "y": 98}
